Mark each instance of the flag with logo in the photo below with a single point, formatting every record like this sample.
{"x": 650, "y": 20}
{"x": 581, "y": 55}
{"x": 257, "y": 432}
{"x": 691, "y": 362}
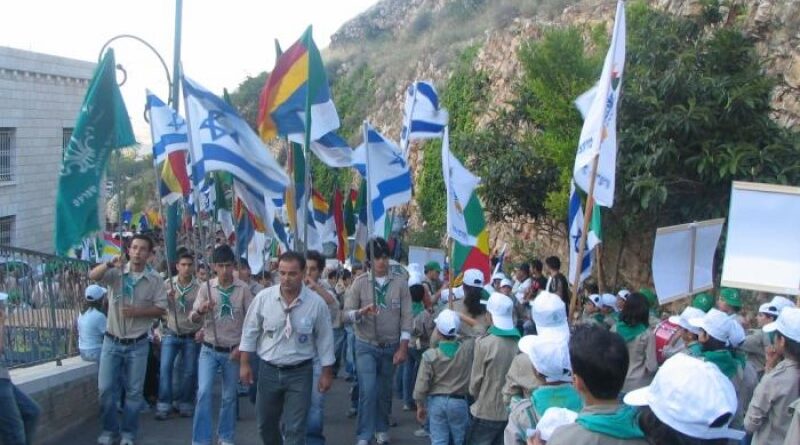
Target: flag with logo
{"x": 575, "y": 224}
{"x": 460, "y": 184}
{"x": 102, "y": 126}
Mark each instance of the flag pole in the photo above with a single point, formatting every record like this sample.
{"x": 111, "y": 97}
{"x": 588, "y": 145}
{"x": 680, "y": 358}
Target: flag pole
{"x": 368, "y": 203}
{"x": 587, "y": 215}
{"x": 448, "y": 259}
{"x": 118, "y": 181}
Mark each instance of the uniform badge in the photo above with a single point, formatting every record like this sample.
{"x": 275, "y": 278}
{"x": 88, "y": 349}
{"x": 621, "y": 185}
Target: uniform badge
{"x": 302, "y": 338}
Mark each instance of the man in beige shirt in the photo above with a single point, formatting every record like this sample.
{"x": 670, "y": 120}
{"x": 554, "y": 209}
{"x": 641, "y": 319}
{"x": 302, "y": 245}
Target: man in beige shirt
{"x": 136, "y": 299}
{"x": 494, "y": 353}
{"x": 221, "y": 305}
{"x": 378, "y": 304}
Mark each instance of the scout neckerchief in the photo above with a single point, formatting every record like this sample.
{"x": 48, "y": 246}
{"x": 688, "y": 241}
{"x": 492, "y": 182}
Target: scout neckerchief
{"x": 727, "y": 362}
{"x": 417, "y": 307}
{"x": 559, "y": 396}
{"x": 449, "y": 348}
{"x": 621, "y": 424}
{"x": 694, "y": 349}
{"x": 225, "y": 306}
{"x": 129, "y": 282}
{"x": 628, "y": 332}
{"x": 380, "y": 292}
{"x": 513, "y": 332}
{"x": 183, "y": 291}
{"x": 287, "y": 312}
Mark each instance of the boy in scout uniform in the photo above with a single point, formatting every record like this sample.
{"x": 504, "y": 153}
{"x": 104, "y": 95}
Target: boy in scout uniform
{"x": 221, "y": 304}
{"x": 493, "y": 355}
{"x": 768, "y": 415}
{"x": 136, "y": 298}
{"x": 599, "y": 361}
{"x": 440, "y": 391}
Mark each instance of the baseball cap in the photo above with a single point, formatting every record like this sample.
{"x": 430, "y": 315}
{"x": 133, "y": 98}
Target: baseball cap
{"x": 458, "y": 294}
{"x": 448, "y": 322}
{"x": 781, "y": 302}
{"x": 716, "y": 324}
{"x": 682, "y": 320}
{"x": 95, "y": 292}
{"x": 549, "y": 314}
{"x": 433, "y": 265}
{"x": 596, "y": 300}
{"x": 703, "y": 301}
{"x": 730, "y": 296}
{"x": 473, "y": 277}
{"x": 550, "y": 357}
{"x": 506, "y": 282}
{"x": 498, "y": 276}
{"x": 609, "y": 300}
{"x": 500, "y": 306}
{"x": 788, "y": 324}
{"x": 623, "y": 294}
{"x": 553, "y": 418}
{"x": 689, "y": 395}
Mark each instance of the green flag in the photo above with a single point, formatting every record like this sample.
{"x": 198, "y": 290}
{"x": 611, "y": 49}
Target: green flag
{"x": 223, "y": 190}
{"x": 102, "y": 125}
{"x": 349, "y": 217}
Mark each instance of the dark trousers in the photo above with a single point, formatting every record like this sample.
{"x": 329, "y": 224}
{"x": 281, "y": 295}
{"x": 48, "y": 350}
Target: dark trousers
{"x": 283, "y": 398}
{"x": 18, "y": 415}
{"x": 486, "y": 432}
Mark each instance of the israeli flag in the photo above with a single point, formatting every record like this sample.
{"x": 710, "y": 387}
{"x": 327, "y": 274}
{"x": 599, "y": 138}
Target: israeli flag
{"x": 422, "y": 117}
{"x": 331, "y": 149}
{"x": 220, "y": 140}
{"x": 387, "y": 175}
{"x": 575, "y": 234}
{"x": 168, "y": 129}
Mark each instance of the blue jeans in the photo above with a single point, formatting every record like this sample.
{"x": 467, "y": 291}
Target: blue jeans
{"x": 375, "y": 369}
{"x": 283, "y": 399}
{"x": 210, "y": 362}
{"x": 410, "y": 375}
{"x": 91, "y": 355}
{"x": 18, "y": 415}
{"x": 122, "y": 368}
{"x": 486, "y": 432}
{"x": 350, "y": 352}
{"x": 171, "y": 346}
{"x": 339, "y": 348}
{"x": 449, "y": 420}
{"x": 314, "y": 424}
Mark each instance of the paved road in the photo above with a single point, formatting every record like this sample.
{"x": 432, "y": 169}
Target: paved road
{"x": 339, "y": 430}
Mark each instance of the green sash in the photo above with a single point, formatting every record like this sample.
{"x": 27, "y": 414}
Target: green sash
{"x": 621, "y": 424}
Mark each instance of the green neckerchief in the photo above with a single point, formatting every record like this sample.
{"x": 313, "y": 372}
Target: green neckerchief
{"x": 621, "y": 424}
{"x": 225, "y": 306}
{"x": 449, "y": 348}
{"x": 380, "y": 293}
{"x": 727, "y": 362}
{"x": 599, "y": 318}
{"x": 559, "y": 396}
{"x": 417, "y": 307}
{"x": 513, "y": 332}
{"x": 694, "y": 349}
{"x": 183, "y": 291}
{"x": 129, "y": 284}
{"x": 627, "y": 332}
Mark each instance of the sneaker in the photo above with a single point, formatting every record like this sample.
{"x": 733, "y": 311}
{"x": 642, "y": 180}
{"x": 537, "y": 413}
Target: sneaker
{"x": 126, "y": 441}
{"x": 421, "y": 433}
{"x": 362, "y": 442}
{"x": 225, "y": 442}
{"x": 106, "y": 439}
{"x": 162, "y": 415}
{"x": 186, "y": 413}
{"x": 382, "y": 438}
{"x": 408, "y": 407}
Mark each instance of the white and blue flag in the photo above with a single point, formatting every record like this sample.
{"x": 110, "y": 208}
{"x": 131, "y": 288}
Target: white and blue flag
{"x": 221, "y": 140}
{"x": 331, "y": 149}
{"x": 422, "y": 117}
{"x": 167, "y": 127}
{"x": 387, "y": 175}
{"x": 575, "y": 223}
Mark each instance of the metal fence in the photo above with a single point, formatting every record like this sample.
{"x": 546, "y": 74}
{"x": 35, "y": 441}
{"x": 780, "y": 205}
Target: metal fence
{"x": 45, "y": 298}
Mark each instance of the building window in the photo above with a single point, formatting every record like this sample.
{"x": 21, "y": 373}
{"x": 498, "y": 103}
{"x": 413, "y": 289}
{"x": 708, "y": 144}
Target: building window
{"x": 66, "y": 135}
{"x": 6, "y": 154}
{"x": 6, "y": 230}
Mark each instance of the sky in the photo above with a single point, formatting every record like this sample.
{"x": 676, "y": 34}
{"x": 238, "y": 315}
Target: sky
{"x": 223, "y": 42}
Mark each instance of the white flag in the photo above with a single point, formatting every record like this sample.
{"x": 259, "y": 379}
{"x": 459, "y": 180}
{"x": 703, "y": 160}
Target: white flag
{"x": 599, "y": 133}
{"x": 460, "y": 183}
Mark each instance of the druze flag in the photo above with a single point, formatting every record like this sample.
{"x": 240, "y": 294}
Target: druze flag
{"x": 102, "y": 125}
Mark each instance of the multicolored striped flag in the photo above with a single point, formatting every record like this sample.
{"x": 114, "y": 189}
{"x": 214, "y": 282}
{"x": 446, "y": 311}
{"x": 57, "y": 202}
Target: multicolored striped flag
{"x": 466, "y": 256}
{"x": 170, "y": 147}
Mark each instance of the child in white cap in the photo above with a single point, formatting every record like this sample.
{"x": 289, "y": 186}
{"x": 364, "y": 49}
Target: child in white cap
{"x": 768, "y": 414}
{"x": 493, "y": 355}
{"x": 689, "y": 402}
{"x": 685, "y": 337}
{"x": 474, "y": 317}
{"x": 608, "y": 306}
{"x": 440, "y": 391}
{"x": 549, "y": 359}
{"x": 757, "y": 341}
{"x": 591, "y": 310}
{"x": 92, "y": 324}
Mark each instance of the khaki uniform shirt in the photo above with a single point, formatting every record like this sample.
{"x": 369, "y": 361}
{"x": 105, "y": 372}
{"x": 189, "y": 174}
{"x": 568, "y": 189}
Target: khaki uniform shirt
{"x": 793, "y": 434}
{"x": 643, "y": 363}
{"x": 392, "y": 323}
{"x": 439, "y": 374}
{"x": 311, "y": 336}
{"x": 148, "y": 292}
{"x": 422, "y": 327}
{"x": 768, "y": 415}
{"x": 255, "y": 287}
{"x": 493, "y": 357}
{"x": 472, "y": 331}
{"x": 335, "y": 308}
{"x": 574, "y": 434}
{"x": 228, "y": 327}
{"x": 520, "y": 380}
{"x": 754, "y": 346}
{"x": 176, "y": 310}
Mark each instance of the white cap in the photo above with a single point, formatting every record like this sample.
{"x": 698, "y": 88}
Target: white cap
{"x": 623, "y": 294}
{"x": 499, "y": 276}
{"x": 506, "y": 282}
{"x": 688, "y": 395}
{"x": 682, "y": 320}
{"x": 414, "y": 278}
{"x": 768, "y": 308}
{"x": 550, "y": 357}
{"x": 95, "y": 292}
{"x": 473, "y": 277}
{"x": 552, "y": 419}
{"x": 781, "y": 303}
{"x": 788, "y": 324}
{"x": 718, "y": 325}
{"x": 609, "y": 300}
{"x": 596, "y": 300}
{"x": 550, "y": 314}
{"x": 448, "y": 322}
{"x": 501, "y": 307}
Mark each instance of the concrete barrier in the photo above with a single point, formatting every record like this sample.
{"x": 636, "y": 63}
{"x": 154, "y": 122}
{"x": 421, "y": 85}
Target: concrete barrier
{"x": 67, "y": 395}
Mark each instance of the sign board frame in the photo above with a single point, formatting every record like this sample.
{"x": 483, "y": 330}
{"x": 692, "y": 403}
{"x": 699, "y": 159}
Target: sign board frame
{"x": 421, "y": 255}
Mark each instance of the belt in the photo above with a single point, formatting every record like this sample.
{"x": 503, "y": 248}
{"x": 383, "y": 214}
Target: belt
{"x": 288, "y": 367}
{"x": 379, "y": 344}
{"x": 450, "y": 396}
{"x": 220, "y": 348}
{"x": 125, "y": 341}
{"x": 172, "y": 333}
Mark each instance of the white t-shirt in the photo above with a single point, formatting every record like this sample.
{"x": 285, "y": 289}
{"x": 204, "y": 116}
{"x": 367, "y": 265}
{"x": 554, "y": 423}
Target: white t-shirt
{"x": 521, "y": 288}
{"x": 91, "y": 329}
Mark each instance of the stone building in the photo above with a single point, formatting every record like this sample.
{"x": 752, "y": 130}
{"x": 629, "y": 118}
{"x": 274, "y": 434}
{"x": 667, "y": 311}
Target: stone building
{"x": 40, "y": 97}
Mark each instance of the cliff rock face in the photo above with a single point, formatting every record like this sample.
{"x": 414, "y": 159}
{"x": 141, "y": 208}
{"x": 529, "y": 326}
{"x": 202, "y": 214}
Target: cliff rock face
{"x": 772, "y": 23}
